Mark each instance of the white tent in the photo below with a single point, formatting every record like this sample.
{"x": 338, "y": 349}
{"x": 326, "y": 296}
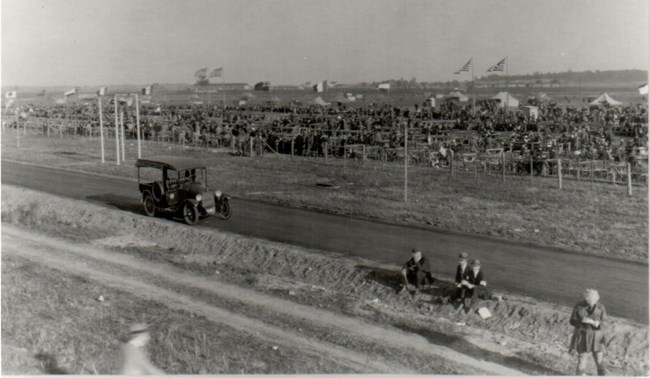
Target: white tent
{"x": 605, "y": 100}
{"x": 531, "y": 112}
{"x": 319, "y": 101}
{"x": 456, "y": 95}
{"x": 504, "y": 98}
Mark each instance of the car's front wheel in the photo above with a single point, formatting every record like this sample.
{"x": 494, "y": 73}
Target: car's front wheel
{"x": 149, "y": 205}
{"x": 190, "y": 214}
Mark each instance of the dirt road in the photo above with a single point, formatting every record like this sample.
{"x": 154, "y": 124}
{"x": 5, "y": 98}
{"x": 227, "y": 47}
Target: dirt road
{"x": 168, "y": 285}
{"x": 535, "y": 271}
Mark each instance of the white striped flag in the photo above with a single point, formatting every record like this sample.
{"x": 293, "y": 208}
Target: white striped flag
{"x": 643, "y": 90}
{"x": 201, "y": 72}
{"x": 320, "y": 87}
{"x": 384, "y": 87}
{"x": 499, "y": 67}
{"x": 124, "y": 100}
{"x": 216, "y": 72}
{"x": 465, "y": 68}
{"x": 11, "y": 94}
{"x": 147, "y": 90}
{"x": 102, "y": 91}
{"x": 71, "y": 92}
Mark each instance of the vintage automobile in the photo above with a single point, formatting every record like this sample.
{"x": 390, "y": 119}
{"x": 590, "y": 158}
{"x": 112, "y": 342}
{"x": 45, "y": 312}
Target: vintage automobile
{"x": 179, "y": 186}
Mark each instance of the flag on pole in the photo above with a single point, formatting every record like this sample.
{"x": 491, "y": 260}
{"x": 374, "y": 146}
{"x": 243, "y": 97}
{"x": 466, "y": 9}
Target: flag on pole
{"x": 643, "y": 90}
{"x": 216, "y": 72}
{"x": 146, "y": 91}
{"x": 499, "y": 67}
{"x": 320, "y": 87}
{"x": 11, "y": 94}
{"x": 201, "y": 73}
{"x": 465, "y": 68}
{"x": 384, "y": 87}
{"x": 102, "y": 91}
{"x": 71, "y": 92}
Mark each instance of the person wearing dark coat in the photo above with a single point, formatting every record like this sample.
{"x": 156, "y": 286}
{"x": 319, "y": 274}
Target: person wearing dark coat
{"x": 461, "y": 271}
{"x": 587, "y": 319}
{"x": 475, "y": 285}
{"x": 417, "y": 270}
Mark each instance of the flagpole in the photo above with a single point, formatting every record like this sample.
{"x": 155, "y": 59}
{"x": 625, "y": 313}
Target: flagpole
{"x": 122, "y": 128}
{"x": 117, "y": 132}
{"x": 101, "y": 128}
{"x": 137, "y": 122}
{"x": 507, "y": 94}
{"x": 473, "y": 90}
{"x": 223, "y": 90}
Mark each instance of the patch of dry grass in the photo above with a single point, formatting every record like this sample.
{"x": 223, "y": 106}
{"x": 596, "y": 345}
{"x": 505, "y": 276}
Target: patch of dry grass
{"x": 55, "y": 324}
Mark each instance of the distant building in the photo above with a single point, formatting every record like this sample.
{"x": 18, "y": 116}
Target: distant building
{"x": 287, "y": 87}
{"x": 263, "y": 86}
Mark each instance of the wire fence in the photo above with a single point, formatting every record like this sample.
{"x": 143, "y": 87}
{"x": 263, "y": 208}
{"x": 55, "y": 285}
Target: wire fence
{"x": 491, "y": 163}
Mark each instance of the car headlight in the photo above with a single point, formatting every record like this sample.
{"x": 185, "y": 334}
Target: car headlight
{"x": 217, "y": 193}
{"x": 171, "y": 196}
{"x": 199, "y": 197}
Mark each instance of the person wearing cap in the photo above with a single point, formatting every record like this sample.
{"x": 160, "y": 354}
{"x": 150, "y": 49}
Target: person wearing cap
{"x": 417, "y": 270}
{"x": 475, "y": 284}
{"x": 134, "y": 353}
{"x": 461, "y": 271}
{"x": 587, "y": 318}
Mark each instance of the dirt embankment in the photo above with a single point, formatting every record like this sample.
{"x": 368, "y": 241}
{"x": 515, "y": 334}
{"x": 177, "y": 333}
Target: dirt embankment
{"x": 524, "y": 334}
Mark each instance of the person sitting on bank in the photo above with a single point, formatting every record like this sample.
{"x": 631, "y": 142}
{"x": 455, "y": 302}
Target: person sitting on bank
{"x": 475, "y": 285}
{"x": 417, "y": 271}
{"x": 461, "y": 272}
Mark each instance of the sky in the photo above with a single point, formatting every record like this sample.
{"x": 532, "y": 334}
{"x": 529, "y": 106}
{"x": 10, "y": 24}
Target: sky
{"x": 104, "y": 42}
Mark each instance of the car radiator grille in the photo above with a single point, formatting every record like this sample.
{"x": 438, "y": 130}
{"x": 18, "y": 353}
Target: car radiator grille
{"x": 207, "y": 200}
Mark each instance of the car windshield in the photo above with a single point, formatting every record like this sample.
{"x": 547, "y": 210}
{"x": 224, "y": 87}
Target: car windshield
{"x": 187, "y": 176}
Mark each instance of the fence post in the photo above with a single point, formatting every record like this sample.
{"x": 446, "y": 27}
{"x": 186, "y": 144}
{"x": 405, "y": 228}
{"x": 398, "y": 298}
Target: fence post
{"x": 503, "y": 166}
{"x": 292, "y": 147}
{"x": 250, "y": 142}
{"x": 531, "y": 167}
{"x": 451, "y": 162}
{"x": 559, "y": 172}
{"x": 578, "y": 171}
{"x": 629, "y": 179}
{"x": 613, "y": 176}
{"x": 475, "y": 168}
{"x": 326, "y": 150}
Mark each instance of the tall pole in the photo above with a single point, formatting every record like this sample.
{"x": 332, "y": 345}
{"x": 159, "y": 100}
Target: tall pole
{"x": 117, "y": 132}
{"x": 101, "y": 128}
{"x": 406, "y": 160}
{"x": 223, "y": 91}
{"x": 473, "y": 90}
{"x": 17, "y": 129}
{"x": 122, "y": 132}
{"x": 507, "y": 94}
{"x": 137, "y": 122}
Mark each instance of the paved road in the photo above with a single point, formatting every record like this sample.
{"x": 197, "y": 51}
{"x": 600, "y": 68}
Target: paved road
{"x": 543, "y": 273}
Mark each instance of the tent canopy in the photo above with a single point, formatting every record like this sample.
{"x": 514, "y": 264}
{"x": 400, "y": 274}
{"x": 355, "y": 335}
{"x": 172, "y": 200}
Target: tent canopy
{"x": 503, "y": 98}
{"x": 605, "y": 100}
{"x": 457, "y": 95}
{"x": 319, "y": 101}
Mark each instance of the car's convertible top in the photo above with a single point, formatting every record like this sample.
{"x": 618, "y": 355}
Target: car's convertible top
{"x": 170, "y": 162}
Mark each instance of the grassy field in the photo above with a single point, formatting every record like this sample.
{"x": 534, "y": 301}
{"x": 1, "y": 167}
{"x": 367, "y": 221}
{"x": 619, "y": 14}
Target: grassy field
{"x": 597, "y": 219}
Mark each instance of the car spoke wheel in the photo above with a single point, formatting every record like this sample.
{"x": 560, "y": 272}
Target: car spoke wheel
{"x": 225, "y": 212}
{"x": 149, "y": 205}
{"x": 190, "y": 214}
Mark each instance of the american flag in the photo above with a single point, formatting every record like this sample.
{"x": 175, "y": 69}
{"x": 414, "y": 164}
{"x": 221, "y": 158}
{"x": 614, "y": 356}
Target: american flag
{"x": 499, "y": 67}
{"x": 465, "y": 67}
{"x": 216, "y": 72}
{"x": 201, "y": 73}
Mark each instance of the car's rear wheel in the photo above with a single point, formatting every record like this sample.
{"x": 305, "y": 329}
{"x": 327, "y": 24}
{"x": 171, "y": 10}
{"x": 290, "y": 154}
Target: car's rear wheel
{"x": 190, "y": 214}
{"x": 149, "y": 205}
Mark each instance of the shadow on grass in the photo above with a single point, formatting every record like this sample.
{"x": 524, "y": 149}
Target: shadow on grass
{"x": 394, "y": 280}
{"x": 49, "y": 364}
{"x": 460, "y": 345}
{"x": 120, "y": 202}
